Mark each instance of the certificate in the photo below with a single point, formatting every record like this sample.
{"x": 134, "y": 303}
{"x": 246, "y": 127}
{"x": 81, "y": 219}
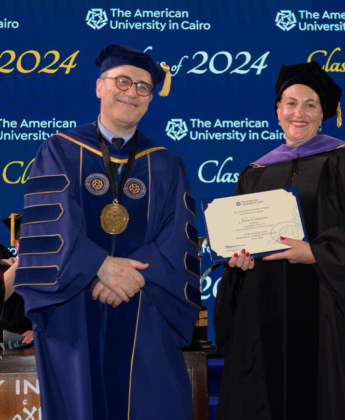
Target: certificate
{"x": 253, "y": 222}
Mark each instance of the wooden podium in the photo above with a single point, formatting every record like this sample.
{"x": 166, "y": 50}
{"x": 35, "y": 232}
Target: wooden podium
{"x": 19, "y": 388}
{"x": 197, "y": 366}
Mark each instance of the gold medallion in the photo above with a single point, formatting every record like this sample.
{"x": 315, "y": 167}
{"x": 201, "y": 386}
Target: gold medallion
{"x": 114, "y": 218}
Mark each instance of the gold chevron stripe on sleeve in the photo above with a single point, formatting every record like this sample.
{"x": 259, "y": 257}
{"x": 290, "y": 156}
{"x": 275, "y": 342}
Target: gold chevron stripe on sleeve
{"x": 97, "y": 152}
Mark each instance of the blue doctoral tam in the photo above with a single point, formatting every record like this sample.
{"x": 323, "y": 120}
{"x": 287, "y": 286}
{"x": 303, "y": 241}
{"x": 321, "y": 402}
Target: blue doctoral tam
{"x": 119, "y": 55}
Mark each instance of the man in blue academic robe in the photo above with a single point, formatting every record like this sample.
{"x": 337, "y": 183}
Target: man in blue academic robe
{"x": 111, "y": 312}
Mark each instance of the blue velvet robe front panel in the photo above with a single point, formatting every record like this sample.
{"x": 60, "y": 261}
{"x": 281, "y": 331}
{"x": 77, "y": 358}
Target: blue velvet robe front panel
{"x": 95, "y": 361}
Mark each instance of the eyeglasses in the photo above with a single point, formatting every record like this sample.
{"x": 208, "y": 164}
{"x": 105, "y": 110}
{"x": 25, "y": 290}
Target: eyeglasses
{"x": 125, "y": 83}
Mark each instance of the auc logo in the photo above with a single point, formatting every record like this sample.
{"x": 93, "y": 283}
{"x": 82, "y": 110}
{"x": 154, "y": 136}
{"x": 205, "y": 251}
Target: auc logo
{"x": 176, "y": 129}
{"x": 286, "y": 20}
{"x": 96, "y": 18}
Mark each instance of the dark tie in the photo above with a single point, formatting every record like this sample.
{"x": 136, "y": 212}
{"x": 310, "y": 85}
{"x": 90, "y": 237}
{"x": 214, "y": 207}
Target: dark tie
{"x": 117, "y": 142}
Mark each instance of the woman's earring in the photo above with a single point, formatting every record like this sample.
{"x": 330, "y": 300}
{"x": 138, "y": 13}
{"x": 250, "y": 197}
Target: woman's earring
{"x": 279, "y": 123}
{"x": 320, "y": 128}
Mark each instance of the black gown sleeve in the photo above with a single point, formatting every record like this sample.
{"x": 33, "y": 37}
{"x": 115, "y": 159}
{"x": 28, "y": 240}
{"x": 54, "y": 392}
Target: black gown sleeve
{"x": 229, "y": 289}
{"x": 328, "y": 247}
{"x": 329, "y": 252}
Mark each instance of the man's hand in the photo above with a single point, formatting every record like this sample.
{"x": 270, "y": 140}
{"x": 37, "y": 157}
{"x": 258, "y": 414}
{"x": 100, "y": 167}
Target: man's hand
{"x": 28, "y": 337}
{"x": 122, "y": 277}
{"x": 300, "y": 253}
{"x": 105, "y": 295}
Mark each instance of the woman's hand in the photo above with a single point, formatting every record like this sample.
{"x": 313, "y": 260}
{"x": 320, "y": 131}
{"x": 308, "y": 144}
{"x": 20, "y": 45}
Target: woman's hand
{"x": 243, "y": 260}
{"x": 300, "y": 253}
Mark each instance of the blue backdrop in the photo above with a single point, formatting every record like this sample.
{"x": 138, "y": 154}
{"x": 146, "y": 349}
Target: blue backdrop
{"x": 224, "y": 56}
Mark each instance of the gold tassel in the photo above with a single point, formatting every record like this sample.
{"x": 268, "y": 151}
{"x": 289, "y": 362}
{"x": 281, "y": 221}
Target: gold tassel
{"x": 12, "y": 216}
{"x": 339, "y": 119}
{"x": 167, "y": 81}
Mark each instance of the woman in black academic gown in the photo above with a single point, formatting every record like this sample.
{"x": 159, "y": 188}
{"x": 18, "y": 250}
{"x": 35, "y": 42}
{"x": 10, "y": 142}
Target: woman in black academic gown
{"x": 280, "y": 321}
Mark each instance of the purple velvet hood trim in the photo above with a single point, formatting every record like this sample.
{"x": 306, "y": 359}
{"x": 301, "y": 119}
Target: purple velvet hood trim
{"x": 284, "y": 153}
